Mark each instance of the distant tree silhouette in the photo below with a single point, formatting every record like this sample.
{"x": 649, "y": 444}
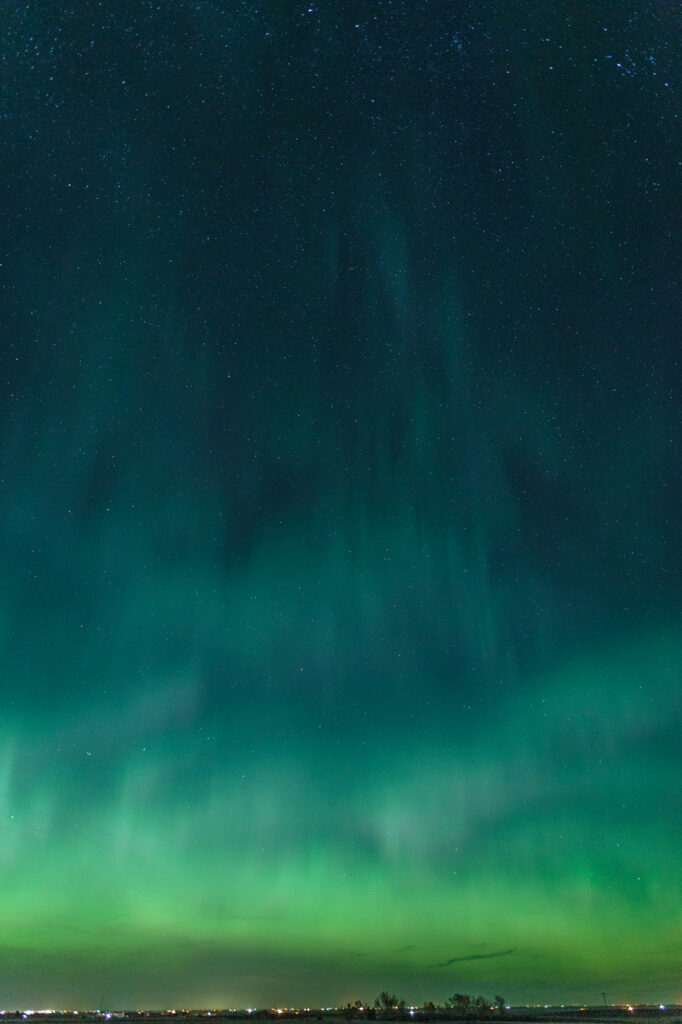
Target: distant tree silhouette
{"x": 482, "y": 1006}
{"x": 387, "y": 1002}
{"x": 460, "y": 1002}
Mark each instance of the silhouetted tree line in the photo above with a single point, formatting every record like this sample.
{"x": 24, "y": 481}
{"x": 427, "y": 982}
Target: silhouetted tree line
{"x": 388, "y": 1006}
{"x": 478, "y": 1007}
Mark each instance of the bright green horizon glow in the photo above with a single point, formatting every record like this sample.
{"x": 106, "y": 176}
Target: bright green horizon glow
{"x": 525, "y": 838}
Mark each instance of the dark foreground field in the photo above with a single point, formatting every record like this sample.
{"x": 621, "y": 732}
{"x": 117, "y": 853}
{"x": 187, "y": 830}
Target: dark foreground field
{"x": 342, "y": 1015}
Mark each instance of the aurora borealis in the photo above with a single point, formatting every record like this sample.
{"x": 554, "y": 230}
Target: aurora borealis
{"x": 340, "y": 502}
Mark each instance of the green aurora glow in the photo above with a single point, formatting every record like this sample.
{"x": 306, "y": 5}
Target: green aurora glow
{"x": 340, "y": 505}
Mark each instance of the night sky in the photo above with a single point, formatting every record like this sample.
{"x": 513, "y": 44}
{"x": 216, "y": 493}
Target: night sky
{"x": 339, "y": 501}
